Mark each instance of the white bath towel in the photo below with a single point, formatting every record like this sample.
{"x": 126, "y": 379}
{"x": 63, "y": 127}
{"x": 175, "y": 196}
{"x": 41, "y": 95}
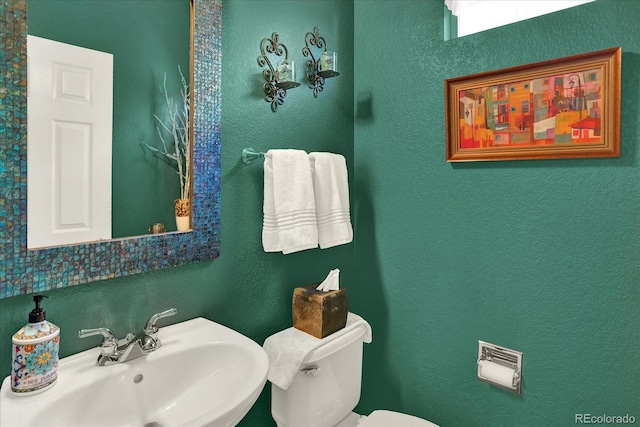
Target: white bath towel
{"x": 331, "y": 189}
{"x": 290, "y": 222}
{"x": 288, "y": 349}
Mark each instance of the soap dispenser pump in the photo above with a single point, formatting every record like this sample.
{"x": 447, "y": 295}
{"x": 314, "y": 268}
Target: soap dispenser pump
{"x": 35, "y": 353}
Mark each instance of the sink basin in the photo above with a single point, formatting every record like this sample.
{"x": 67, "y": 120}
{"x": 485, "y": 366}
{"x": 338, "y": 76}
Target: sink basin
{"x": 205, "y": 374}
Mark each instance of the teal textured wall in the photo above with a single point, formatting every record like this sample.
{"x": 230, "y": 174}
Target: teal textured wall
{"x": 144, "y": 186}
{"x": 540, "y": 256}
{"x": 535, "y": 255}
{"x": 245, "y": 288}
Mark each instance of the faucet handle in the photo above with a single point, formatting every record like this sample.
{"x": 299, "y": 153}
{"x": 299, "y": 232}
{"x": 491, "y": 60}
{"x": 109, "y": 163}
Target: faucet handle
{"x": 151, "y": 327}
{"x": 109, "y": 341}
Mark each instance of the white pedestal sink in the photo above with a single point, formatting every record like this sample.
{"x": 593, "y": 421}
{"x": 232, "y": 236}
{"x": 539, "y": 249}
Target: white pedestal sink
{"x": 204, "y": 374}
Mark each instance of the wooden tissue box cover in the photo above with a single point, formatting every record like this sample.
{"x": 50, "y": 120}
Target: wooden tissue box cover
{"x": 319, "y": 313}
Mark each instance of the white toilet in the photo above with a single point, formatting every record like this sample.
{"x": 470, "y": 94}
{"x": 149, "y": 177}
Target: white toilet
{"x": 326, "y": 388}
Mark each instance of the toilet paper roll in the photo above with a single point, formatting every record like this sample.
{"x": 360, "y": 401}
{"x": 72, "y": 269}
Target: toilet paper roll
{"x": 496, "y": 373}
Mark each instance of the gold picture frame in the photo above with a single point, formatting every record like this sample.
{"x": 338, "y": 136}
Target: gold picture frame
{"x": 562, "y": 108}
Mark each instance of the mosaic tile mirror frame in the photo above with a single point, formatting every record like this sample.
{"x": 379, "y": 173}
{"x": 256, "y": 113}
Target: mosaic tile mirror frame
{"x": 25, "y": 271}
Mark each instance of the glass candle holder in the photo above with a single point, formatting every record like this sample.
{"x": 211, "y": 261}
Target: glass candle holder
{"x": 287, "y": 71}
{"x": 328, "y": 61}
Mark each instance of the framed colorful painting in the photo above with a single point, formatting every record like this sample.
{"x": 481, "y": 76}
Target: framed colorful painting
{"x": 561, "y": 108}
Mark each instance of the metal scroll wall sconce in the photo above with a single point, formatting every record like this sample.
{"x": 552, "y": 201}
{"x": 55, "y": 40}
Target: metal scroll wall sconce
{"x": 277, "y": 80}
{"x": 319, "y": 68}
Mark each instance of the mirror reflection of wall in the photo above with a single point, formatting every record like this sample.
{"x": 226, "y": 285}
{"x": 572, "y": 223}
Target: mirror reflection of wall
{"x": 144, "y": 185}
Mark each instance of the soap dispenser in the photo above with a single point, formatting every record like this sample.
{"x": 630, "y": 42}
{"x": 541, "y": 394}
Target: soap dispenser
{"x": 35, "y": 353}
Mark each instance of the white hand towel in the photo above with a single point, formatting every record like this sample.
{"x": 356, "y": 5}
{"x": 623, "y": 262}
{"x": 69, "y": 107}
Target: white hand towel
{"x": 290, "y": 222}
{"x": 331, "y": 189}
{"x": 288, "y": 349}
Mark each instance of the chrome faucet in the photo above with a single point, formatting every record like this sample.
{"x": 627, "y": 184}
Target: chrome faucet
{"x": 113, "y": 350}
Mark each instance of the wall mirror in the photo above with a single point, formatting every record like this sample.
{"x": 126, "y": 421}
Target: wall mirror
{"x": 95, "y": 78}
{"x": 24, "y": 271}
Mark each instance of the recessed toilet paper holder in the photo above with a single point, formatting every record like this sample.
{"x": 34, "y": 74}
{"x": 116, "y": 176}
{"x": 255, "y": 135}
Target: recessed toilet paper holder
{"x": 500, "y": 366}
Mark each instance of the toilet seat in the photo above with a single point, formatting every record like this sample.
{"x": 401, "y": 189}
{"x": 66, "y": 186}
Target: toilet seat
{"x": 383, "y": 418}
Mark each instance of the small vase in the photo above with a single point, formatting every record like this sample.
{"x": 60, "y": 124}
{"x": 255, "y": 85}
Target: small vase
{"x": 183, "y": 214}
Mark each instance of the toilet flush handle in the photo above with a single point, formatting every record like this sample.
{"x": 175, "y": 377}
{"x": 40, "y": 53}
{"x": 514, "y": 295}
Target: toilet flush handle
{"x": 310, "y": 370}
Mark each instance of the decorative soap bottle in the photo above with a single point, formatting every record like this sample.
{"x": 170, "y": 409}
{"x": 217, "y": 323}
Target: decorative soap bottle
{"x": 35, "y": 353}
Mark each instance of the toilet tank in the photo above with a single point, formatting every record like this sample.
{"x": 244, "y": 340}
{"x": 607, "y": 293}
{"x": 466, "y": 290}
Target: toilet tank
{"x": 327, "y": 387}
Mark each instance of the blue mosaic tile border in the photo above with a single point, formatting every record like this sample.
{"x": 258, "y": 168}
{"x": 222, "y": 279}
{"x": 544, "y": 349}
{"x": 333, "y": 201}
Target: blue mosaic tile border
{"x": 25, "y": 271}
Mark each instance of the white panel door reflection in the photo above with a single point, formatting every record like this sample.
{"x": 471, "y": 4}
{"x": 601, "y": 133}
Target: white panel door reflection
{"x": 69, "y": 129}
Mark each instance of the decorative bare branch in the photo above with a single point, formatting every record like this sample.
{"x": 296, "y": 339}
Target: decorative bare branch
{"x": 176, "y": 125}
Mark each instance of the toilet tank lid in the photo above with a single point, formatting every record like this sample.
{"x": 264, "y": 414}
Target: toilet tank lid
{"x": 330, "y": 347}
{"x": 383, "y": 418}
{"x": 356, "y": 329}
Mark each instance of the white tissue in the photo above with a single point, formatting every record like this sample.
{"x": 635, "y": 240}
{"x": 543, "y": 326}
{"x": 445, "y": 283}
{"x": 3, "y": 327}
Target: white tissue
{"x": 331, "y": 283}
{"x": 496, "y": 373}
